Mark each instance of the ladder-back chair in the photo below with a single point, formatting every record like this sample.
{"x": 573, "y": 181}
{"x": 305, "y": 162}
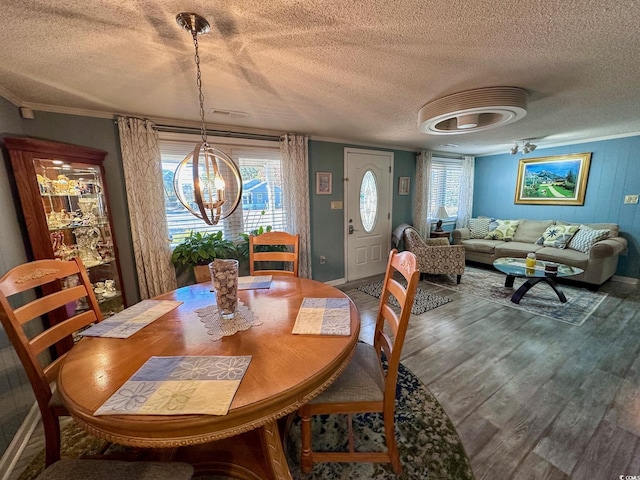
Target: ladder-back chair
{"x": 59, "y": 286}
{"x": 287, "y": 252}
{"x": 366, "y": 386}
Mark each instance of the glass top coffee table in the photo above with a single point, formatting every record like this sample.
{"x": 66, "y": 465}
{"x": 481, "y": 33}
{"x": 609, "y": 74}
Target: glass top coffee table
{"x": 515, "y": 267}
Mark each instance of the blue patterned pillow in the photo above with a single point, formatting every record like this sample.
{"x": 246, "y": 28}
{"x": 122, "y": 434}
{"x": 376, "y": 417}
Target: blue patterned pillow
{"x": 479, "y": 227}
{"x": 585, "y": 237}
{"x": 557, "y": 236}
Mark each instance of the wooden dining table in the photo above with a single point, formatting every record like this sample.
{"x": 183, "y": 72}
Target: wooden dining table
{"x": 285, "y": 371}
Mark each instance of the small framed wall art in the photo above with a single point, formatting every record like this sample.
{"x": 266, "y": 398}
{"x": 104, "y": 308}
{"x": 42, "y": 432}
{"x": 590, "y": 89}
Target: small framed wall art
{"x": 404, "y": 185}
{"x": 558, "y": 180}
{"x": 323, "y": 183}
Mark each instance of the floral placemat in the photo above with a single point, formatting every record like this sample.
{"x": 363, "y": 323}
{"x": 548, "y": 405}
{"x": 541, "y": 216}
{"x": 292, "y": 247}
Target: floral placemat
{"x": 179, "y": 386}
{"x": 127, "y": 322}
{"x": 218, "y": 328}
{"x": 255, "y": 281}
{"x": 323, "y": 316}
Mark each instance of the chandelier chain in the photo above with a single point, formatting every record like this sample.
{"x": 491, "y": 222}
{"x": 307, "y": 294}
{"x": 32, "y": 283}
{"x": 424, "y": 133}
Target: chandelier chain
{"x": 203, "y": 128}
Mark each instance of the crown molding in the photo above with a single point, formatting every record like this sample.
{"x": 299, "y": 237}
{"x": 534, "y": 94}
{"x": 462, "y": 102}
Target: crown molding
{"x": 10, "y": 97}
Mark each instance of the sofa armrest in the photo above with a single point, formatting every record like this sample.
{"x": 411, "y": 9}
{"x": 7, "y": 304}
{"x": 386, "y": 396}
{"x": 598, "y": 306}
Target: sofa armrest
{"x": 608, "y": 247}
{"x": 460, "y": 234}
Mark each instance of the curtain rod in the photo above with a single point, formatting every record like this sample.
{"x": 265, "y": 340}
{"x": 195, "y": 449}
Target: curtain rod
{"x": 218, "y": 133}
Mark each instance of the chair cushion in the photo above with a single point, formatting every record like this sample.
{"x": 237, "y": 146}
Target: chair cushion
{"x": 69, "y": 469}
{"x": 361, "y": 381}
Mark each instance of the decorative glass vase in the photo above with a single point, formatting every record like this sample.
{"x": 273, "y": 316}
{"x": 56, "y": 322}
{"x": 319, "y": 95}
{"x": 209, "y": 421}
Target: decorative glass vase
{"x": 224, "y": 275}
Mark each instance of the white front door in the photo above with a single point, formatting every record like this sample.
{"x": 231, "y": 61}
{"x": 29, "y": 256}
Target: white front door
{"x": 368, "y": 199}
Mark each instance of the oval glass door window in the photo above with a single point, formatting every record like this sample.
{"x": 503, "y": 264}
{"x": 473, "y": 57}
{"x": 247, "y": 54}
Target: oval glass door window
{"x": 368, "y": 201}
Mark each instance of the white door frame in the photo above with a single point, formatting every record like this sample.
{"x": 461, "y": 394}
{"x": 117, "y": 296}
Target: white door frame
{"x": 347, "y": 186}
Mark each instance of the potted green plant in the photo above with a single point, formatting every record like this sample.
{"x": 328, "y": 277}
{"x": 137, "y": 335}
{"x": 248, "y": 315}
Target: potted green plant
{"x": 192, "y": 257}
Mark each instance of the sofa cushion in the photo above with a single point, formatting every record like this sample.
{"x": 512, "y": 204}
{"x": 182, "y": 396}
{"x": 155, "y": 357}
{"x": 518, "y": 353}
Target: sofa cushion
{"x": 479, "y": 227}
{"x": 557, "y": 236}
{"x": 529, "y": 231}
{"x": 504, "y": 231}
{"x": 481, "y": 246}
{"x": 585, "y": 237}
{"x": 515, "y": 249}
{"x": 566, "y": 256}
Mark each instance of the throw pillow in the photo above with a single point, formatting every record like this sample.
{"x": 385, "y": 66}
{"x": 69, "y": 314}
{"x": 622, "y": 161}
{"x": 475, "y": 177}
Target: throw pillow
{"x": 479, "y": 227}
{"x": 504, "y": 230}
{"x": 585, "y": 237}
{"x": 557, "y": 236}
{"x": 530, "y": 230}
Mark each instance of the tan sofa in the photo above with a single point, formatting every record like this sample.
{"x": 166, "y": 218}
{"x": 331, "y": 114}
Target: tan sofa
{"x": 599, "y": 264}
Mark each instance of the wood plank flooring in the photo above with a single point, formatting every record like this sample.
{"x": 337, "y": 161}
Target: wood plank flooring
{"x": 531, "y": 398}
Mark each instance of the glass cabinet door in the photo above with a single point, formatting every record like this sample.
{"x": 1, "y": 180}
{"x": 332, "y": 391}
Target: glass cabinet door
{"x": 74, "y": 203}
{"x": 66, "y": 211}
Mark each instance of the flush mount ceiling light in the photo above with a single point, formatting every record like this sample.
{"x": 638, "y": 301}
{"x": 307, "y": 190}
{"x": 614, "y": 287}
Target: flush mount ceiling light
{"x": 527, "y": 147}
{"x": 200, "y": 178}
{"x": 473, "y": 111}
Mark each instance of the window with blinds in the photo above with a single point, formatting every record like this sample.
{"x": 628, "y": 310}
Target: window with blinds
{"x": 446, "y": 176}
{"x": 261, "y": 205}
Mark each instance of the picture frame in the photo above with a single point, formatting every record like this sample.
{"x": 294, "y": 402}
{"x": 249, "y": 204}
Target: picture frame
{"x": 556, "y": 180}
{"x": 323, "y": 183}
{"x": 404, "y": 185}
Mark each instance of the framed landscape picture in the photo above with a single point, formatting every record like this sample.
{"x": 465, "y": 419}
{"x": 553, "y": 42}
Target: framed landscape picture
{"x": 558, "y": 180}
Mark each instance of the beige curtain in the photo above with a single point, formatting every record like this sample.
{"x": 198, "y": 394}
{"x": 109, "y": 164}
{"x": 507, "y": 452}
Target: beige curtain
{"x": 145, "y": 197}
{"x": 421, "y": 207}
{"x": 295, "y": 178}
{"x": 465, "y": 204}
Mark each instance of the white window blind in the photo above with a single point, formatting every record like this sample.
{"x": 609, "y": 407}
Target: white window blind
{"x": 261, "y": 205}
{"x": 446, "y": 175}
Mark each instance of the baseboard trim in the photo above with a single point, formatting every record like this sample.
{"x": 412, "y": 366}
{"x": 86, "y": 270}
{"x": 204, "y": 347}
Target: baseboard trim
{"x": 336, "y": 282}
{"x": 628, "y": 280}
{"x": 19, "y": 442}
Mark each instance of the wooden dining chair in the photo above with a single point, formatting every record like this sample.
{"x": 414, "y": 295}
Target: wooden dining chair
{"x": 274, "y": 247}
{"x": 59, "y": 287}
{"x": 366, "y": 386}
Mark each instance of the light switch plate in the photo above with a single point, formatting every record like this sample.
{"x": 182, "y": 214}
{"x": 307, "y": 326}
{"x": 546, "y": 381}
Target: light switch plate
{"x": 633, "y": 199}
{"x": 336, "y": 205}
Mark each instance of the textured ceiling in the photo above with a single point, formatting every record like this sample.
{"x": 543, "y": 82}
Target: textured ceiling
{"x": 356, "y": 71}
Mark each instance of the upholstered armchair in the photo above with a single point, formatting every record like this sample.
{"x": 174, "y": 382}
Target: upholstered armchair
{"x": 435, "y": 255}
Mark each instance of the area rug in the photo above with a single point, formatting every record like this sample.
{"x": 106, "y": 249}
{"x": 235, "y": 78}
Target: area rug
{"x": 423, "y": 301}
{"x": 430, "y": 448}
{"x": 540, "y": 300}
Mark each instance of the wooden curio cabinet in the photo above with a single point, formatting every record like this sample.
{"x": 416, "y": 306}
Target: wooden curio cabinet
{"x": 66, "y": 210}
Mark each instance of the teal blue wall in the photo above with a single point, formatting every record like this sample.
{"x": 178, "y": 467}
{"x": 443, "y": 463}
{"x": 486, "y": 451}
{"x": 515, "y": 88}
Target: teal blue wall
{"x": 16, "y": 396}
{"x": 614, "y": 173}
{"x": 327, "y": 226}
